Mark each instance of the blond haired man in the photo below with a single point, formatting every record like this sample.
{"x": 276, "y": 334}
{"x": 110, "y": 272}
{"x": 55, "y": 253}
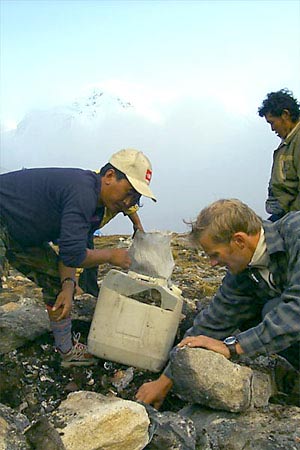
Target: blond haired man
{"x": 257, "y": 308}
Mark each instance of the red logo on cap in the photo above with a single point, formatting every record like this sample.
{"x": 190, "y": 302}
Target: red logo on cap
{"x": 148, "y": 175}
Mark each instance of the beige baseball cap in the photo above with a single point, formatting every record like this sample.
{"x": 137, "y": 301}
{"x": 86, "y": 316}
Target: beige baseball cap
{"x": 137, "y": 168}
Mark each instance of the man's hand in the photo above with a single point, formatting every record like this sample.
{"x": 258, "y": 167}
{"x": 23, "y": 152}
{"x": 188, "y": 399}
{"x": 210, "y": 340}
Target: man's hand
{"x": 119, "y": 257}
{"x": 63, "y": 304}
{"x": 154, "y": 392}
{"x": 205, "y": 342}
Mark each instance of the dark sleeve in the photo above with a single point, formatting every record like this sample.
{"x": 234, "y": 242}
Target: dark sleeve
{"x": 280, "y": 327}
{"x": 229, "y": 308}
{"x": 78, "y": 208}
{"x": 88, "y": 278}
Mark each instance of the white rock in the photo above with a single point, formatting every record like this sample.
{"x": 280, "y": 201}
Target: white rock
{"x": 96, "y": 422}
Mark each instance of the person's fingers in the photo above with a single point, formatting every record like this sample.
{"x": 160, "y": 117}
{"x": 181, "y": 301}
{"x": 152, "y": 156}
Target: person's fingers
{"x": 184, "y": 342}
{"x": 145, "y": 395}
{"x": 57, "y": 304}
{"x": 141, "y": 394}
{"x": 60, "y": 317}
{"x": 65, "y": 313}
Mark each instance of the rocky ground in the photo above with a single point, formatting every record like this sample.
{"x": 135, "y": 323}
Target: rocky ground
{"x": 32, "y": 380}
{"x": 33, "y": 383}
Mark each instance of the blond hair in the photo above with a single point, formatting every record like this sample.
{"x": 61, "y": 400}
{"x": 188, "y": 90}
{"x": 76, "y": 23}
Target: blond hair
{"x": 222, "y": 219}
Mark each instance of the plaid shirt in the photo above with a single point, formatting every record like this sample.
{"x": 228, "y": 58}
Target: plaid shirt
{"x": 241, "y": 297}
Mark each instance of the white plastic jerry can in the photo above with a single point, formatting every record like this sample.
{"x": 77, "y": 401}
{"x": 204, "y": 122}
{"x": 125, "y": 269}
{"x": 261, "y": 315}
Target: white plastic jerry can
{"x": 135, "y": 321}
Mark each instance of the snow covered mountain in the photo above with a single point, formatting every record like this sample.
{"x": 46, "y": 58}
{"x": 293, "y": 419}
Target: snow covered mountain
{"x": 72, "y": 134}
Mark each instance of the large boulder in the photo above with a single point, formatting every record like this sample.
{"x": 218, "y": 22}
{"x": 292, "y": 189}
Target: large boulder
{"x": 91, "y": 421}
{"x": 208, "y": 378}
{"x": 21, "y": 322}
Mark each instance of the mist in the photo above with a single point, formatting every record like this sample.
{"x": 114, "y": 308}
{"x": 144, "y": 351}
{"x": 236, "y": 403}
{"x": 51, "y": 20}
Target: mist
{"x": 200, "y": 152}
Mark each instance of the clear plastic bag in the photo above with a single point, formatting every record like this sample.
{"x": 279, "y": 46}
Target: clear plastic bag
{"x": 151, "y": 254}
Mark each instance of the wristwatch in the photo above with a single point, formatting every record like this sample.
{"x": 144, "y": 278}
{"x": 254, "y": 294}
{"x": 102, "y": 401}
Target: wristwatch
{"x": 231, "y": 342}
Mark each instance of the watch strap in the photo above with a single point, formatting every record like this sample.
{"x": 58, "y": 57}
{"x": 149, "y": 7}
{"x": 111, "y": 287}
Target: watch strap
{"x": 230, "y": 343}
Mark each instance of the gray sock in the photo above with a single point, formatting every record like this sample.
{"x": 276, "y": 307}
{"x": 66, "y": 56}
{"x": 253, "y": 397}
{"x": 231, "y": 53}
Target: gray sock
{"x": 62, "y": 332}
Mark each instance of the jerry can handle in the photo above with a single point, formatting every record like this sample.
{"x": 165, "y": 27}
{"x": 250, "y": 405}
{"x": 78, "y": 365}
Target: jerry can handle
{"x": 139, "y": 276}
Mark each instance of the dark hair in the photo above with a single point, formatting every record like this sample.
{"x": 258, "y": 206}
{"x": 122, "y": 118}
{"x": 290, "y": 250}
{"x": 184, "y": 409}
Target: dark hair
{"x": 119, "y": 175}
{"x": 276, "y": 102}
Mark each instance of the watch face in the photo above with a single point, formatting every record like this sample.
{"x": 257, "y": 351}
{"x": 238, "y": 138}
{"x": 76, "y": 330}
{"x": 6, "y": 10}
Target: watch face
{"x": 230, "y": 340}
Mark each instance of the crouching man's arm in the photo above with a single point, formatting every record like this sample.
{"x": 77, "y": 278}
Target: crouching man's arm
{"x": 209, "y": 343}
{"x": 63, "y": 304}
{"x": 115, "y": 256}
{"x": 154, "y": 392}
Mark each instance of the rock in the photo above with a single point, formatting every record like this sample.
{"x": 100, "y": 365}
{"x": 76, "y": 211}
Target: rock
{"x": 95, "y": 422}
{"x": 269, "y": 428}
{"x": 9, "y": 307}
{"x": 33, "y": 382}
{"x": 42, "y": 435}
{"x": 84, "y": 307}
{"x": 261, "y": 388}
{"x": 208, "y": 378}
{"x": 12, "y": 426}
{"x": 21, "y": 324}
{"x": 169, "y": 431}
{"x": 285, "y": 378}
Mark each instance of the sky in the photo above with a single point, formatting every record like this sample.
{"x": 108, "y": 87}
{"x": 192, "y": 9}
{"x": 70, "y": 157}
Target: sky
{"x": 191, "y": 75}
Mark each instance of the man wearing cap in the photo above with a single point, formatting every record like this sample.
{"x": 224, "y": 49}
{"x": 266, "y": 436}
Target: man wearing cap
{"x": 65, "y": 205}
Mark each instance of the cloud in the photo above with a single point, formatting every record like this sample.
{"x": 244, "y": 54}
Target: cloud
{"x": 8, "y": 125}
{"x": 148, "y": 102}
{"x": 200, "y": 152}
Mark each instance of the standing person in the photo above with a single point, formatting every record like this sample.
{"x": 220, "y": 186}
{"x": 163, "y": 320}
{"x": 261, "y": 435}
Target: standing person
{"x": 257, "y": 308}
{"x": 65, "y": 205}
{"x": 281, "y": 110}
